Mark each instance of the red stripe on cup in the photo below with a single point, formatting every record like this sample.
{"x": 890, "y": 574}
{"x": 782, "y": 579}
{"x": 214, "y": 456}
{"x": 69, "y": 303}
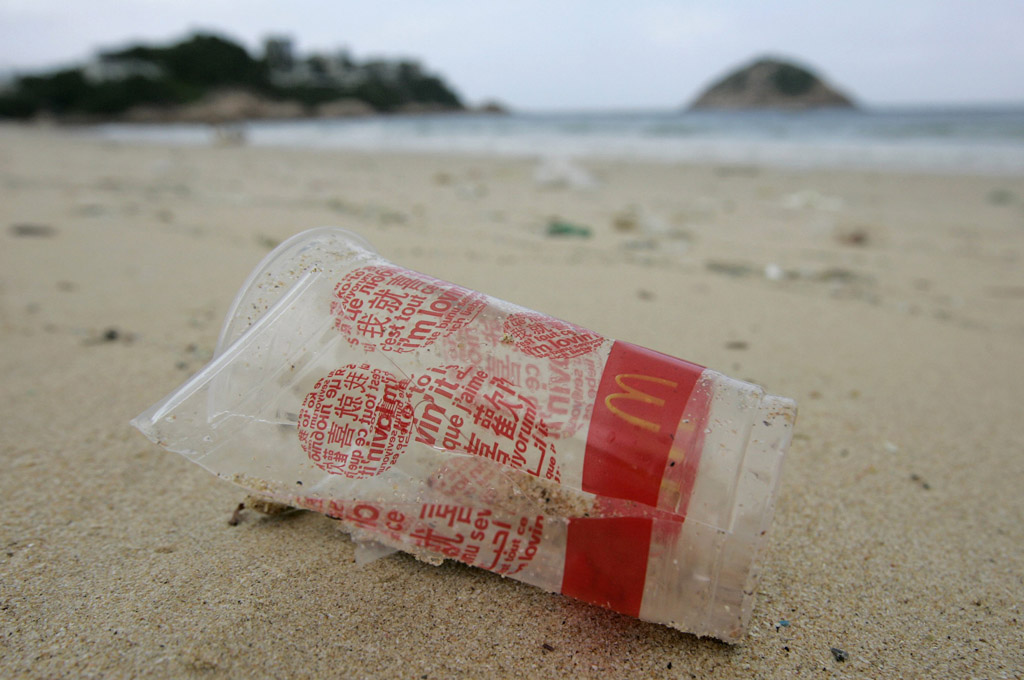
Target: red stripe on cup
{"x": 606, "y": 561}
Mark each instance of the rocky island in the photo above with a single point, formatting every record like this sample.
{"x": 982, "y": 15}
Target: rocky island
{"x": 208, "y": 78}
{"x": 771, "y": 84}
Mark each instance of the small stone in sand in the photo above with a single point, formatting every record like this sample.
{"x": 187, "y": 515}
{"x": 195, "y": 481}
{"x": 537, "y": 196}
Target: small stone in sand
{"x": 839, "y": 654}
{"x": 853, "y": 236}
{"x": 33, "y": 230}
{"x": 110, "y": 335}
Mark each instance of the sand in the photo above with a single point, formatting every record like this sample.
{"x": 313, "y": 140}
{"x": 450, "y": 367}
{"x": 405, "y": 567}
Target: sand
{"x": 891, "y": 306}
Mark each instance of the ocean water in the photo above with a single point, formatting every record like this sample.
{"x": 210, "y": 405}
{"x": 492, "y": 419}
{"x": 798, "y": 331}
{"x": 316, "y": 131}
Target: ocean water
{"x": 985, "y": 141}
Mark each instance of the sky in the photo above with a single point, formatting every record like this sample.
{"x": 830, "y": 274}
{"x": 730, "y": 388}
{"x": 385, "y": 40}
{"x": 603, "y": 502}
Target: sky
{"x": 580, "y": 54}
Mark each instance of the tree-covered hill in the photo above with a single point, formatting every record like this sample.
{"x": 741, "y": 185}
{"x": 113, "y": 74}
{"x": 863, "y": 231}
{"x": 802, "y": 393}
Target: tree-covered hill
{"x": 168, "y": 77}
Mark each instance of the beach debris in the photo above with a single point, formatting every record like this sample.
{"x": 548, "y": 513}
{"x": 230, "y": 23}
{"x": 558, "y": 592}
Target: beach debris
{"x": 265, "y": 506}
{"x": 31, "y": 230}
{"x": 839, "y": 655}
{"x": 838, "y": 275}
{"x": 338, "y": 407}
{"x": 547, "y": 648}
{"x": 650, "y": 231}
{"x": 637, "y": 218}
{"x": 110, "y": 335}
{"x": 774, "y": 272}
{"x": 808, "y": 199}
{"x": 626, "y": 220}
{"x": 236, "y": 516}
{"x": 736, "y": 269}
{"x": 783, "y": 623}
{"x": 845, "y": 282}
{"x": 853, "y": 236}
{"x": 558, "y": 172}
{"x": 561, "y": 228}
{"x": 914, "y": 477}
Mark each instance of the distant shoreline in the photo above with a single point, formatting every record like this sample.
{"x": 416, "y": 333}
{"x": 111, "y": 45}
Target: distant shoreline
{"x": 931, "y": 141}
{"x": 173, "y": 115}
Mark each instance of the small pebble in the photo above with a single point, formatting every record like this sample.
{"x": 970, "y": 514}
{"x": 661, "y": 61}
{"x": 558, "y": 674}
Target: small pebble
{"x": 839, "y": 654}
{"x": 33, "y": 230}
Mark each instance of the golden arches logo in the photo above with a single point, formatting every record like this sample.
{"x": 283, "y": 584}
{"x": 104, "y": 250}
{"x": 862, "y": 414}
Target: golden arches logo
{"x": 631, "y": 393}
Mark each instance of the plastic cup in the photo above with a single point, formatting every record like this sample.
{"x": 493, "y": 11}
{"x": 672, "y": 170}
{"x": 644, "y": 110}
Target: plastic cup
{"x": 443, "y": 422}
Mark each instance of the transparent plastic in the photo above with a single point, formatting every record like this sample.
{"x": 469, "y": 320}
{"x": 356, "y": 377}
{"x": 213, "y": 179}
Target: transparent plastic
{"x": 443, "y": 422}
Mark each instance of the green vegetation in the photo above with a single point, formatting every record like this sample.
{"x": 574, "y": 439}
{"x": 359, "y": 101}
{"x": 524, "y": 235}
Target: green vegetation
{"x": 182, "y": 73}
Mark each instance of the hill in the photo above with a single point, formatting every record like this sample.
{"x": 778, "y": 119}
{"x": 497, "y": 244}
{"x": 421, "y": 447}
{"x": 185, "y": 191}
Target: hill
{"x": 771, "y": 84}
{"x": 167, "y": 82}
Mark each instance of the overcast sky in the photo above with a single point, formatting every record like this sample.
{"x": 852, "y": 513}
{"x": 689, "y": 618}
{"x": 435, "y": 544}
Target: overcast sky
{"x": 576, "y": 54}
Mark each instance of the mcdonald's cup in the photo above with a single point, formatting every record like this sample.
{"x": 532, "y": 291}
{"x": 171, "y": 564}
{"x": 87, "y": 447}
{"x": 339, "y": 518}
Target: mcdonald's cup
{"x": 440, "y": 421}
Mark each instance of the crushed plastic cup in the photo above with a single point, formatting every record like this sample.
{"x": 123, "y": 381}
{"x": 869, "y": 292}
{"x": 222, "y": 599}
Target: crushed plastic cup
{"x": 440, "y": 421}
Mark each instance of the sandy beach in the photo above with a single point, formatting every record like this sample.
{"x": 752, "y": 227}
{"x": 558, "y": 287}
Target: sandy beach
{"x": 890, "y": 306}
